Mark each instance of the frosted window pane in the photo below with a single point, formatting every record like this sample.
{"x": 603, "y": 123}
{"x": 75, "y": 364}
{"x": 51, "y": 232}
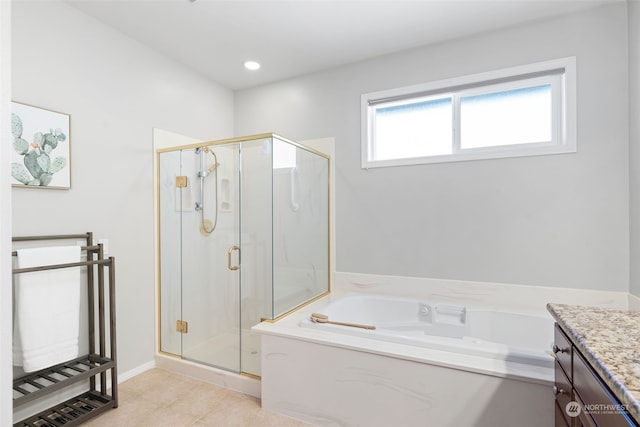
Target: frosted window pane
{"x": 414, "y": 130}
{"x": 510, "y": 117}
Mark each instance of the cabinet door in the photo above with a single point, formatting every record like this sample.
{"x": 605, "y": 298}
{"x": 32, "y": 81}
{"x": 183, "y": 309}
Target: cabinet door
{"x": 583, "y": 419}
{"x": 561, "y": 421}
{"x": 595, "y": 394}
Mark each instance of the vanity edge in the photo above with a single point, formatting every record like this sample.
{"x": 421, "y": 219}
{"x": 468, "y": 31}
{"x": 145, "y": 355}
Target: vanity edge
{"x": 619, "y": 370}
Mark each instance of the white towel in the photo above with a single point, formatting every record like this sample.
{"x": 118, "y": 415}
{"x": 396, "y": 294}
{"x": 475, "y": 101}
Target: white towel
{"x": 46, "y": 308}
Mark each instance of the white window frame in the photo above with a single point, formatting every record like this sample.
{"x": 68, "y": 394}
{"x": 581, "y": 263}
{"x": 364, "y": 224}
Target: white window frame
{"x": 560, "y": 73}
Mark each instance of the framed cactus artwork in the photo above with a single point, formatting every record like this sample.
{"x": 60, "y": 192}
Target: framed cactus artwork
{"x": 41, "y": 147}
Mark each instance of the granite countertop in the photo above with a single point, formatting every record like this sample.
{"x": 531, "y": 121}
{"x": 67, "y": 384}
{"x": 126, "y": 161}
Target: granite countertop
{"x": 610, "y": 341}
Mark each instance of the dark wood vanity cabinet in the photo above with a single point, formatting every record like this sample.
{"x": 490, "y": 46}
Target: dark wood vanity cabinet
{"x": 582, "y": 398}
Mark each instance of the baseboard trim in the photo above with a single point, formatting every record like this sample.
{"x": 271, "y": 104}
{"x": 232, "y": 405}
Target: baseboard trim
{"x": 136, "y": 371}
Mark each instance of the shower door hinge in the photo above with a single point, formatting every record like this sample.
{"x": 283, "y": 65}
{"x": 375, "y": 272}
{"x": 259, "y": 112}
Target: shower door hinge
{"x": 182, "y": 326}
{"x": 181, "y": 181}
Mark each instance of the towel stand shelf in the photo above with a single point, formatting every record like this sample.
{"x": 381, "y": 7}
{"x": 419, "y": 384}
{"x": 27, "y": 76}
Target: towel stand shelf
{"x": 92, "y": 368}
{"x": 33, "y": 386}
{"x": 79, "y": 409}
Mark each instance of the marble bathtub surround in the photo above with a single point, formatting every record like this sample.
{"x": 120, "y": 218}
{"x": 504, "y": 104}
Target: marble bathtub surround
{"x": 288, "y": 351}
{"x": 610, "y": 341}
{"x": 480, "y": 293}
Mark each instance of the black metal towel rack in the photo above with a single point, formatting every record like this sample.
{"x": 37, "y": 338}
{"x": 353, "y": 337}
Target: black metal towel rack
{"x": 97, "y": 364}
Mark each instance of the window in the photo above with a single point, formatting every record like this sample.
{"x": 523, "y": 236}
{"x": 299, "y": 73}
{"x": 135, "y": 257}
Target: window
{"x": 519, "y": 111}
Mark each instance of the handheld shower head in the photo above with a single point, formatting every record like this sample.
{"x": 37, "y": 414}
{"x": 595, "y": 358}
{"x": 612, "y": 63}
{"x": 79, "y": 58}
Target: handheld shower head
{"x": 207, "y": 226}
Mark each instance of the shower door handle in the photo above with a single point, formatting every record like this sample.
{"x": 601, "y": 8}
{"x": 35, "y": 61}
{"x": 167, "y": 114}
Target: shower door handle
{"x": 229, "y": 253}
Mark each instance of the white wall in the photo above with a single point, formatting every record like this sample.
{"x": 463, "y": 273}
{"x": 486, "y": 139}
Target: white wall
{"x": 634, "y": 141}
{"x": 553, "y": 220}
{"x": 116, "y": 91}
{"x": 6, "y": 371}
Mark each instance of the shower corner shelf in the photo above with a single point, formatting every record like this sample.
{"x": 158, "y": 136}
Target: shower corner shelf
{"x": 95, "y": 365}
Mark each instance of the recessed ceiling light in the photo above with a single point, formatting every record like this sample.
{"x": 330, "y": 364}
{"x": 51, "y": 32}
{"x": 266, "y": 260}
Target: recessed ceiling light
{"x": 251, "y": 65}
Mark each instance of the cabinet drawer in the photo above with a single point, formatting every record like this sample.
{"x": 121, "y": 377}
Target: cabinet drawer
{"x": 563, "y": 349}
{"x": 599, "y": 402}
{"x": 562, "y": 390}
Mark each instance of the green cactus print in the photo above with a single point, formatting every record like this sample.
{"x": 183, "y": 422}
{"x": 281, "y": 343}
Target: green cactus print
{"x": 16, "y": 126}
{"x": 20, "y": 173}
{"x": 37, "y": 168}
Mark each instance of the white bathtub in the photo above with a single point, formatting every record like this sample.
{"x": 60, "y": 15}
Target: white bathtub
{"x": 521, "y": 336}
{"x": 427, "y": 363}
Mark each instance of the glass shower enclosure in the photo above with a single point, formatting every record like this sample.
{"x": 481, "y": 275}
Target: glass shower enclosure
{"x": 243, "y": 228}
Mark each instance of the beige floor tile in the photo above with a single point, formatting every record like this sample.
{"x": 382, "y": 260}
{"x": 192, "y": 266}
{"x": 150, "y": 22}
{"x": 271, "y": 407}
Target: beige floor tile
{"x": 129, "y": 413}
{"x": 201, "y": 399}
{"x": 166, "y": 417}
{"x": 163, "y": 399}
{"x": 235, "y": 410}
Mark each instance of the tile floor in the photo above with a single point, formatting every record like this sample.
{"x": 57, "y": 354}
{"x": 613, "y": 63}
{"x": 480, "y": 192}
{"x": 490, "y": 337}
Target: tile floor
{"x": 160, "y": 398}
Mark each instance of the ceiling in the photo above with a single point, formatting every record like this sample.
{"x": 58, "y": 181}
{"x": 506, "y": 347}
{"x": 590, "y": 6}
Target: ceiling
{"x": 296, "y": 37}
